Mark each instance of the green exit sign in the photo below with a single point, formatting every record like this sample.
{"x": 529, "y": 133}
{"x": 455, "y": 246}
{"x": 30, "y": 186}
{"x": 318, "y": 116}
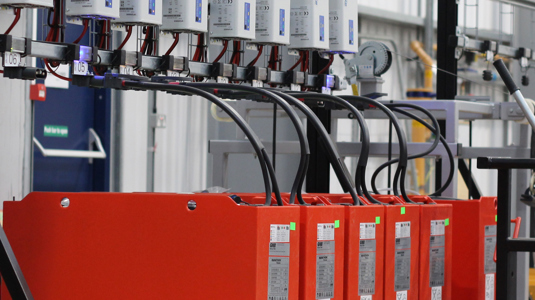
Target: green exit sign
{"x": 56, "y": 131}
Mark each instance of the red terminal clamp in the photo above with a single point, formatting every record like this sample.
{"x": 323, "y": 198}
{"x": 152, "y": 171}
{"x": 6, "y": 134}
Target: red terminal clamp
{"x": 517, "y": 222}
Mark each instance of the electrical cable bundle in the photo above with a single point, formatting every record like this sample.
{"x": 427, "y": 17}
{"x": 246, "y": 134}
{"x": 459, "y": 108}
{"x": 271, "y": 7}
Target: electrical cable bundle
{"x": 226, "y": 89}
{"x": 263, "y": 158}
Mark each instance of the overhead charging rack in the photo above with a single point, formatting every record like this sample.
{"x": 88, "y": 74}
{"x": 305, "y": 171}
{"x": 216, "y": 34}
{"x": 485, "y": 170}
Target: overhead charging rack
{"x": 69, "y": 53}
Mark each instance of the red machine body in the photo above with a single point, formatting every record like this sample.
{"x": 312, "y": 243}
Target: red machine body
{"x": 146, "y": 246}
{"x": 474, "y": 243}
{"x": 321, "y": 270}
{"x": 364, "y": 248}
{"x": 436, "y": 240}
{"x": 402, "y": 242}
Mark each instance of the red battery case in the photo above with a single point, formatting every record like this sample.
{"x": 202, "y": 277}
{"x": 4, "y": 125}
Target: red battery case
{"x": 474, "y": 244}
{"x": 147, "y": 245}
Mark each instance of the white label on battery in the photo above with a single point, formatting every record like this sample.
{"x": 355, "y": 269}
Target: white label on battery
{"x": 367, "y": 297}
{"x": 279, "y": 233}
{"x": 490, "y": 248}
{"x": 325, "y": 270}
{"x": 436, "y": 293}
{"x": 11, "y": 59}
{"x": 80, "y": 68}
{"x": 403, "y": 229}
{"x": 401, "y": 295}
{"x": 367, "y": 231}
{"x": 326, "y": 232}
{"x": 489, "y": 287}
{"x": 279, "y": 262}
{"x": 438, "y": 227}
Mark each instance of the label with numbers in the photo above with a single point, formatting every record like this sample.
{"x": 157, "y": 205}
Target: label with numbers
{"x": 401, "y": 295}
{"x": 367, "y": 259}
{"x": 325, "y": 250}
{"x": 403, "y": 229}
{"x": 279, "y": 233}
{"x": 126, "y": 70}
{"x": 436, "y": 293}
{"x": 490, "y": 247}
{"x": 80, "y": 68}
{"x": 173, "y": 73}
{"x": 11, "y": 59}
{"x": 489, "y": 287}
{"x": 437, "y": 253}
{"x": 279, "y": 262}
{"x": 326, "y": 232}
{"x": 366, "y": 297}
{"x": 402, "y": 267}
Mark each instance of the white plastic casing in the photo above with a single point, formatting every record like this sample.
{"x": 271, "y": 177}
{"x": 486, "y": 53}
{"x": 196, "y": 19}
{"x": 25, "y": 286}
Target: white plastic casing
{"x": 233, "y": 19}
{"x": 272, "y": 22}
{"x": 185, "y": 16}
{"x": 140, "y": 12}
{"x": 27, "y": 3}
{"x": 100, "y": 9}
{"x": 309, "y": 25}
{"x": 343, "y": 31}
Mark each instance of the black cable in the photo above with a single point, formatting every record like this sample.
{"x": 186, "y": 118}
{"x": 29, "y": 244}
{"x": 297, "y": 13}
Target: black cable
{"x": 402, "y": 140}
{"x": 433, "y": 146}
{"x": 365, "y": 135}
{"x": 274, "y": 145}
{"x": 254, "y": 140}
{"x": 393, "y": 107}
{"x": 301, "y": 133}
{"x": 336, "y": 161}
{"x": 444, "y": 143}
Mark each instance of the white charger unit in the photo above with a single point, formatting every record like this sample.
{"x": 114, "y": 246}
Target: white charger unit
{"x": 95, "y": 9}
{"x": 343, "y": 31}
{"x": 309, "y": 25}
{"x": 272, "y": 22}
{"x": 233, "y": 19}
{"x": 27, "y": 3}
{"x": 185, "y": 16}
{"x": 140, "y": 12}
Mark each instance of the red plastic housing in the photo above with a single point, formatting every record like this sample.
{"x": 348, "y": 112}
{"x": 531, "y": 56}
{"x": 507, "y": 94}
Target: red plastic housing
{"x": 38, "y": 92}
{"x": 317, "y": 238}
{"x": 364, "y": 226}
{"x": 402, "y": 242}
{"x": 146, "y": 246}
{"x": 474, "y": 243}
{"x": 436, "y": 240}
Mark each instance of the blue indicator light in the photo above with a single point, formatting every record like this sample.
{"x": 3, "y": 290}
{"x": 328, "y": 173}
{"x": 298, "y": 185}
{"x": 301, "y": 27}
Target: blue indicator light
{"x": 322, "y": 28}
{"x": 198, "y": 11}
{"x": 351, "y": 32}
{"x": 282, "y": 22}
{"x": 247, "y": 21}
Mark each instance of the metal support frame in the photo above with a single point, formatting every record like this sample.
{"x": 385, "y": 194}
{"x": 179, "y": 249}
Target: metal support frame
{"x": 448, "y": 111}
{"x": 506, "y": 247}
